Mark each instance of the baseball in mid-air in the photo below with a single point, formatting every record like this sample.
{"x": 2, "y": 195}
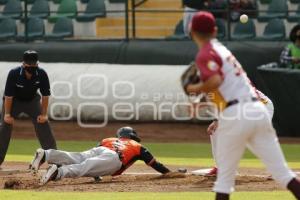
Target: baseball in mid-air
{"x": 244, "y": 18}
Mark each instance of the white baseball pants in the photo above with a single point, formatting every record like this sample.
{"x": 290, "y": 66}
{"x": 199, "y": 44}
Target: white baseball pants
{"x": 213, "y": 137}
{"x": 247, "y": 124}
{"x": 99, "y": 161}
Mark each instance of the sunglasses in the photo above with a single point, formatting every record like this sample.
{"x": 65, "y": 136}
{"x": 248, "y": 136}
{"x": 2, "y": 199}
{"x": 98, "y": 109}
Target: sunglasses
{"x": 297, "y": 36}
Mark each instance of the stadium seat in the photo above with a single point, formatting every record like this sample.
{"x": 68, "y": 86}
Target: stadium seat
{"x": 178, "y": 32}
{"x": 94, "y": 8}
{"x": 62, "y": 28}
{"x": 244, "y": 31}
{"x": 56, "y": 1}
{"x": 35, "y": 28}
{"x": 179, "y": 28}
{"x": 117, "y": 1}
{"x": 8, "y": 28}
{"x": 276, "y": 9}
{"x": 275, "y": 30}
{"x": 295, "y": 1}
{"x": 40, "y": 8}
{"x": 294, "y": 17}
{"x": 221, "y": 28}
{"x": 67, "y": 8}
{"x": 265, "y": 1}
{"x": 29, "y": 1}
{"x": 84, "y": 1}
{"x": 12, "y": 9}
{"x": 3, "y": 2}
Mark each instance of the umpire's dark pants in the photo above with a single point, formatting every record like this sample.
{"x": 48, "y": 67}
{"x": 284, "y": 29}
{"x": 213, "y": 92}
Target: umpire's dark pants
{"x": 33, "y": 109}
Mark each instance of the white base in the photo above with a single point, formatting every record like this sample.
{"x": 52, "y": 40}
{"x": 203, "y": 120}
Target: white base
{"x": 201, "y": 172}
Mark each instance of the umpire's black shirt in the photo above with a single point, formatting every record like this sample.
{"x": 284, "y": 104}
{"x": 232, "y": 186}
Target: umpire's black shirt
{"x": 23, "y": 89}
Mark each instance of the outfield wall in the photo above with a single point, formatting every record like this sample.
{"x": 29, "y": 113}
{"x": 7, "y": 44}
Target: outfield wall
{"x": 108, "y": 92}
{"x": 142, "y": 52}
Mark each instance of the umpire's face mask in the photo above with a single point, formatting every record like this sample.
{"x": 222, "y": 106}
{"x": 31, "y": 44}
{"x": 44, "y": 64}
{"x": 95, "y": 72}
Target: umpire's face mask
{"x": 31, "y": 69}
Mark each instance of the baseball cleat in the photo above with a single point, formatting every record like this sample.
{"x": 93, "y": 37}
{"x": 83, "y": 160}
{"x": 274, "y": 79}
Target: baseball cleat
{"x": 38, "y": 160}
{"x": 50, "y": 175}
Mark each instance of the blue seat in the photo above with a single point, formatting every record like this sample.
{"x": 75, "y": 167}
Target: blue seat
{"x": 2, "y": 2}
{"x": 244, "y": 31}
{"x": 12, "y": 9}
{"x": 294, "y": 17}
{"x": 276, "y": 9}
{"x": 40, "y": 8}
{"x": 35, "y": 29}
{"x": 8, "y": 28}
{"x": 94, "y": 9}
{"x": 62, "y": 28}
{"x": 275, "y": 30}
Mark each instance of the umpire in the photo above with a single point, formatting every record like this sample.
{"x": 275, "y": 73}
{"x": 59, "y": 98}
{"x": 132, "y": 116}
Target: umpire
{"x": 20, "y": 96}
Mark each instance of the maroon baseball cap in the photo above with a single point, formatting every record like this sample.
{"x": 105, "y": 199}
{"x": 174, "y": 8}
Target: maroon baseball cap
{"x": 203, "y": 22}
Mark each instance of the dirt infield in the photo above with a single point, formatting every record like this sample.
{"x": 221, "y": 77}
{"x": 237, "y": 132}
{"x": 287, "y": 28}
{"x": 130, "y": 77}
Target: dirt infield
{"x": 247, "y": 180}
{"x": 147, "y": 181}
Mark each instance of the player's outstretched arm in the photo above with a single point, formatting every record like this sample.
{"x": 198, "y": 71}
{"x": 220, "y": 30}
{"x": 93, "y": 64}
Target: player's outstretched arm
{"x": 148, "y": 158}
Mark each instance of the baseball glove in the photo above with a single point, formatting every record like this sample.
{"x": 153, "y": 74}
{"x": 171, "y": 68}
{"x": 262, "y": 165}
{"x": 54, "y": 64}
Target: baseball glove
{"x": 190, "y": 76}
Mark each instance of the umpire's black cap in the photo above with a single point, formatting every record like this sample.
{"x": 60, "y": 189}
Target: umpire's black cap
{"x": 30, "y": 57}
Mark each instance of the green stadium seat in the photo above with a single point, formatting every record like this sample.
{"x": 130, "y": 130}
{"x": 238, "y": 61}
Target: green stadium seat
{"x": 265, "y": 1}
{"x": 221, "y": 28}
{"x": 275, "y": 30}
{"x": 295, "y": 1}
{"x": 94, "y": 8}
{"x": 178, "y": 32}
{"x": 40, "y": 8}
{"x": 84, "y": 1}
{"x": 244, "y": 31}
{"x": 62, "y": 28}
{"x": 67, "y": 8}
{"x": 276, "y": 9}
{"x": 117, "y": 1}
{"x": 12, "y": 9}
{"x": 179, "y": 28}
{"x": 35, "y": 28}
{"x": 29, "y": 1}
{"x": 8, "y": 28}
{"x": 3, "y": 2}
{"x": 294, "y": 17}
{"x": 56, "y": 1}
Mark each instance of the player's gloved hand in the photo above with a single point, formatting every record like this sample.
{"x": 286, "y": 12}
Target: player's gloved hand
{"x": 212, "y": 127}
{"x": 190, "y": 76}
{"x": 8, "y": 119}
{"x": 42, "y": 119}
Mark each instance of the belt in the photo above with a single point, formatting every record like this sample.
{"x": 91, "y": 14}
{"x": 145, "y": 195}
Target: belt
{"x": 235, "y": 101}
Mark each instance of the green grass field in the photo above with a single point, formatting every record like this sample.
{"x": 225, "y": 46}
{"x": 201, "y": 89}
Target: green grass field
{"x": 168, "y": 153}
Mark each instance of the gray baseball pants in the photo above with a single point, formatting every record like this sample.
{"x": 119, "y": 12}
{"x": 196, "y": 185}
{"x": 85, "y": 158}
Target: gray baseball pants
{"x": 98, "y": 161}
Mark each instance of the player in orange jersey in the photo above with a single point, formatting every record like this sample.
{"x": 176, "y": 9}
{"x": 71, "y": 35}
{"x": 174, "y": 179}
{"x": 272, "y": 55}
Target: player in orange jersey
{"x": 111, "y": 157}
